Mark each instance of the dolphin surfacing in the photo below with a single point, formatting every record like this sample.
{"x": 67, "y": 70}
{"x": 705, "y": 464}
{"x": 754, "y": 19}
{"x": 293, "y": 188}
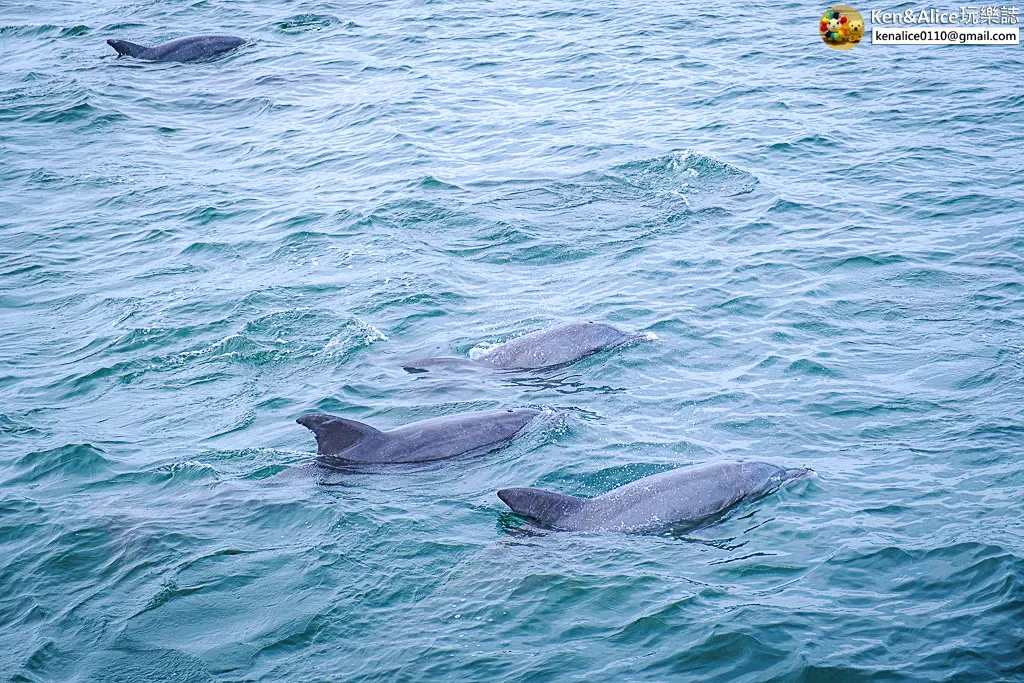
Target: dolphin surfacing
{"x": 180, "y": 50}
{"x": 342, "y": 442}
{"x": 555, "y": 346}
{"x": 687, "y": 494}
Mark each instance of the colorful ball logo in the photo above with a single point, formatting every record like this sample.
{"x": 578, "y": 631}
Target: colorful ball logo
{"x": 841, "y": 27}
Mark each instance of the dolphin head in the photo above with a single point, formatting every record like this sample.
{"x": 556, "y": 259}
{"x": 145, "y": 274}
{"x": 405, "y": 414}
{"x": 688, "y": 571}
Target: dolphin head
{"x": 800, "y": 474}
{"x": 761, "y": 478}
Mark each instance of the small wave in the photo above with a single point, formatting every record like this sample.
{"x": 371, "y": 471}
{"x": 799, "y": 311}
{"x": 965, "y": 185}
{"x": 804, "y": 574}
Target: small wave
{"x": 76, "y": 112}
{"x": 432, "y": 183}
{"x": 27, "y": 30}
{"x": 688, "y": 175}
{"x": 812, "y": 368}
{"x": 73, "y": 31}
{"x": 187, "y": 469}
{"x": 112, "y": 666}
{"x": 81, "y": 460}
{"x": 363, "y": 334}
{"x": 10, "y": 424}
{"x": 281, "y": 337}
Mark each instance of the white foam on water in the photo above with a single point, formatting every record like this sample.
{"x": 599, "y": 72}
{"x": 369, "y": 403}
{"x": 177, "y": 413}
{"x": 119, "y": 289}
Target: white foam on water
{"x": 482, "y": 350}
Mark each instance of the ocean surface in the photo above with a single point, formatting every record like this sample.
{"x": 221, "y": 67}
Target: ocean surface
{"x": 827, "y": 245}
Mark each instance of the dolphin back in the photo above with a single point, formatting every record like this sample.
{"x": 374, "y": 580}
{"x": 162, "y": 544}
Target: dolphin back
{"x": 194, "y": 47}
{"x": 546, "y": 507}
{"x": 683, "y": 495}
{"x": 342, "y": 443}
{"x": 555, "y": 346}
{"x": 179, "y": 50}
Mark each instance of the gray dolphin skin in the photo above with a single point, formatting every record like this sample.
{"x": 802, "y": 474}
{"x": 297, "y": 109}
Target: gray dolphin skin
{"x": 687, "y": 494}
{"x": 180, "y": 50}
{"x": 558, "y": 345}
{"x": 342, "y": 442}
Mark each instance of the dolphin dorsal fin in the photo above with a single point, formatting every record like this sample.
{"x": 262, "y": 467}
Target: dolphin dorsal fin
{"x": 335, "y": 434}
{"x": 124, "y": 47}
{"x": 546, "y": 507}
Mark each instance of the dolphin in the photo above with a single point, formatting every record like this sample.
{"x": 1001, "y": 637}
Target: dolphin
{"x": 180, "y": 50}
{"x": 342, "y": 442}
{"x": 557, "y": 345}
{"x": 687, "y": 494}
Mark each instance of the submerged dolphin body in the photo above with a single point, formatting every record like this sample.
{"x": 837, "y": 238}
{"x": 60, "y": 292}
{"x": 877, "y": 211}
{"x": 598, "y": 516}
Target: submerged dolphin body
{"x": 554, "y": 346}
{"x": 342, "y": 442}
{"x": 687, "y": 494}
{"x": 180, "y": 50}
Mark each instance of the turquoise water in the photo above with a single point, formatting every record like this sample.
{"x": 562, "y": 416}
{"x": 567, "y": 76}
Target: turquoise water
{"x": 827, "y": 245}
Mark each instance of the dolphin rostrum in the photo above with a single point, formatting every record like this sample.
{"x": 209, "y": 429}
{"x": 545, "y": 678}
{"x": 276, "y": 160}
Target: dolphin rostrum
{"x": 180, "y": 50}
{"x": 557, "y": 345}
{"x": 342, "y": 442}
{"x": 687, "y": 494}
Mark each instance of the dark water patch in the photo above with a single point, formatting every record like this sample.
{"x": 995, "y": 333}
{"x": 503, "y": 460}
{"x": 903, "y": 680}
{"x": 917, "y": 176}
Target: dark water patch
{"x": 490, "y": 239}
{"x": 301, "y": 23}
{"x": 130, "y": 665}
{"x": 725, "y": 653}
{"x": 106, "y": 121}
{"x": 930, "y": 277}
{"x": 77, "y": 112}
{"x": 757, "y": 425}
{"x": 978, "y": 380}
{"x": 819, "y": 327}
{"x": 173, "y": 272}
{"x": 429, "y": 183}
{"x": 812, "y": 143}
{"x": 824, "y": 672}
{"x": 791, "y": 209}
{"x": 303, "y": 221}
{"x": 13, "y": 424}
{"x": 27, "y": 30}
{"x": 811, "y": 368}
{"x": 861, "y": 261}
{"x": 44, "y": 177}
{"x": 741, "y": 306}
{"x": 12, "y": 530}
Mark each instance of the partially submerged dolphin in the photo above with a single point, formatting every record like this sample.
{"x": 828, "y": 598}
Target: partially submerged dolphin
{"x": 554, "y": 346}
{"x": 342, "y": 442}
{"x": 687, "y": 494}
{"x": 180, "y": 50}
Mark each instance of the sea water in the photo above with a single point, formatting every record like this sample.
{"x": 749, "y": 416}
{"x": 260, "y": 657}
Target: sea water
{"x": 827, "y": 246}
